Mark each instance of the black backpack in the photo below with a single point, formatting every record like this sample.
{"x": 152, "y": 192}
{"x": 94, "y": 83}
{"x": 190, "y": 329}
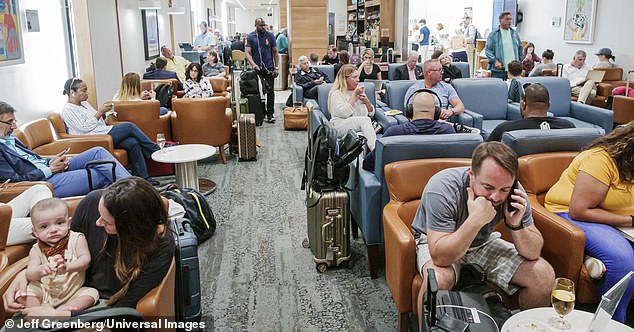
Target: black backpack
{"x": 327, "y": 168}
{"x": 164, "y": 94}
{"x": 197, "y": 210}
{"x": 249, "y": 83}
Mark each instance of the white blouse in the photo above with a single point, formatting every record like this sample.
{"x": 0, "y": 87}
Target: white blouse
{"x": 340, "y": 108}
{"x": 200, "y": 89}
{"x": 81, "y": 120}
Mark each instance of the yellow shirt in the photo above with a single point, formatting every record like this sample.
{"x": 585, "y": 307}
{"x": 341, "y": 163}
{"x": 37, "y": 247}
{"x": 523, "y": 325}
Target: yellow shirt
{"x": 620, "y": 197}
{"x": 178, "y": 65}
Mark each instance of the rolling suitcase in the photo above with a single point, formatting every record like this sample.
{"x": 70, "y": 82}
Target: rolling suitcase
{"x": 92, "y": 163}
{"x": 187, "y": 292}
{"x": 242, "y": 104}
{"x": 256, "y": 107}
{"x": 328, "y": 227}
{"x": 247, "y": 149}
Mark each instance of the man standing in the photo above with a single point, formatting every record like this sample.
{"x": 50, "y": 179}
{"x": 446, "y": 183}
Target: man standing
{"x": 261, "y": 53}
{"x": 202, "y": 42}
{"x": 576, "y": 72}
{"x": 309, "y": 78}
{"x": 175, "y": 63}
{"x": 282, "y": 41}
{"x": 423, "y": 40}
{"x": 421, "y": 123}
{"x": 503, "y": 45}
{"x": 470, "y": 35}
{"x": 410, "y": 70}
{"x": 451, "y": 103}
{"x": 534, "y": 104}
{"x": 68, "y": 176}
{"x": 454, "y": 225}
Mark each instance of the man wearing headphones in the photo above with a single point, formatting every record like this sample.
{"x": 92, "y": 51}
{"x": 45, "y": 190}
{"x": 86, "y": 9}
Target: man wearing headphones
{"x": 451, "y": 104}
{"x": 423, "y": 114}
{"x": 534, "y": 104}
{"x": 261, "y": 53}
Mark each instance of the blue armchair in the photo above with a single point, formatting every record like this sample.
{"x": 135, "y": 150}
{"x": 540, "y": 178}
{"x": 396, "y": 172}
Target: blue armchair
{"x": 464, "y": 68}
{"x": 370, "y": 193}
{"x": 583, "y": 116}
{"x": 533, "y": 141}
{"x": 298, "y": 92}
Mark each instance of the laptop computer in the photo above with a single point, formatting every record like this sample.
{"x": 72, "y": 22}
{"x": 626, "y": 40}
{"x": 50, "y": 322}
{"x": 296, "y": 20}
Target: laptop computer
{"x": 595, "y": 75}
{"x": 378, "y": 84}
{"x": 628, "y": 232}
{"x": 609, "y": 301}
{"x": 185, "y": 46}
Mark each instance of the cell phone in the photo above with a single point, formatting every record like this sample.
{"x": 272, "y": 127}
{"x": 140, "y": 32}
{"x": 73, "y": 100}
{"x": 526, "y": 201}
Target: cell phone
{"x": 5, "y": 183}
{"x": 65, "y": 151}
{"x": 509, "y": 199}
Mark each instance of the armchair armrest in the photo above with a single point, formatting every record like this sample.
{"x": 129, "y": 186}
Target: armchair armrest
{"x": 298, "y": 93}
{"x": 513, "y": 111}
{"x": 592, "y": 114}
{"x": 6, "y": 278}
{"x": 400, "y": 257}
{"x": 77, "y": 145}
{"x": 14, "y": 189}
{"x": 623, "y": 108}
{"x": 476, "y": 119}
{"x": 564, "y": 243}
{"x": 159, "y": 302}
{"x": 605, "y": 89}
{"x": 385, "y": 120}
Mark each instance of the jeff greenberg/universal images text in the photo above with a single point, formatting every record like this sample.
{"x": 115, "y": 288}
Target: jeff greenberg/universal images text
{"x": 106, "y": 323}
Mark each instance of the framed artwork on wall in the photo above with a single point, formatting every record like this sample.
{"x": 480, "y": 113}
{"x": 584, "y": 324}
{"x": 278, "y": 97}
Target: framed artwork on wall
{"x": 150, "y": 33}
{"x": 11, "y": 47}
{"x": 579, "y": 24}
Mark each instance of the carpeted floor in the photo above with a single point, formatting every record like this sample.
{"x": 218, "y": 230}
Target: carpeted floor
{"x": 255, "y": 274}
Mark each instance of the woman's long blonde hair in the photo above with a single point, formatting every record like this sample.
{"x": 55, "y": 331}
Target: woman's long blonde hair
{"x": 340, "y": 81}
{"x": 130, "y": 88}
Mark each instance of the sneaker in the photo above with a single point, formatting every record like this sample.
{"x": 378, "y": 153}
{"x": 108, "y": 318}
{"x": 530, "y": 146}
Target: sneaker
{"x": 595, "y": 267}
{"x": 462, "y": 129}
{"x": 270, "y": 118}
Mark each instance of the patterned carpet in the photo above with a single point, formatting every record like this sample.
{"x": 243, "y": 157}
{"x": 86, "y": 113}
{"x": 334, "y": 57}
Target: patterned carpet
{"x": 255, "y": 274}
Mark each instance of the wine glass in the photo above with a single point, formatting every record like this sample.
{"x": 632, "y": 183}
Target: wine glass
{"x": 160, "y": 140}
{"x": 563, "y": 300}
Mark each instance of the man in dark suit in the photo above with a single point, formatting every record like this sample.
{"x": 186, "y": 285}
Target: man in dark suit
{"x": 68, "y": 176}
{"x": 161, "y": 73}
{"x": 410, "y": 70}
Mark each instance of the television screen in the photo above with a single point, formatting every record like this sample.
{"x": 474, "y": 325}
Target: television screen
{"x": 500, "y": 6}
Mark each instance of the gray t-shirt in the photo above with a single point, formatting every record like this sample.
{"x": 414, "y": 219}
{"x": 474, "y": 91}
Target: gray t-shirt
{"x": 443, "y": 206}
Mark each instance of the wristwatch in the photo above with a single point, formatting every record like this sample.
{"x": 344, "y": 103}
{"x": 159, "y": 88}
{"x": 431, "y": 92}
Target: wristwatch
{"x": 514, "y": 228}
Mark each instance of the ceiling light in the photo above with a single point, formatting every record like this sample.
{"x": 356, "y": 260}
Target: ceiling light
{"x": 149, "y": 4}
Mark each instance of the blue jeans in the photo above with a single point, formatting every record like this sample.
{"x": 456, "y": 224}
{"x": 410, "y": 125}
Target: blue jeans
{"x": 615, "y": 251}
{"x": 74, "y": 181}
{"x": 163, "y": 110}
{"x": 129, "y": 137}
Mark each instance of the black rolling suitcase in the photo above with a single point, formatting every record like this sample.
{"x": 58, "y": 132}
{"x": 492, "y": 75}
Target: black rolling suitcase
{"x": 256, "y": 107}
{"x": 328, "y": 227}
{"x": 93, "y": 163}
{"x": 187, "y": 292}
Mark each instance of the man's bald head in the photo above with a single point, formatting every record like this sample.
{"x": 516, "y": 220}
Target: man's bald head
{"x": 535, "y": 100}
{"x": 423, "y": 104}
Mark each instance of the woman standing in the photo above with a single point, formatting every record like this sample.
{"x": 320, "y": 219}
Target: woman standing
{"x": 130, "y": 90}
{"x": 596, "y": 193}
{"x": 197, "y": 85}
{"x": 350, "y": 107}
{"x": 82, "y": 119}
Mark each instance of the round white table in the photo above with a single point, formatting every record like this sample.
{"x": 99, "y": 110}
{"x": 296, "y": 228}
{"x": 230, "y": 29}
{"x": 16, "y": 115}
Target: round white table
{"x": 185, "y": 159}
{"x": 580, "y": 321}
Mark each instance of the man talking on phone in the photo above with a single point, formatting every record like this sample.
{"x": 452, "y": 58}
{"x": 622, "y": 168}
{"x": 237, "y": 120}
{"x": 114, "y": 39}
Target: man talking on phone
{"x": 68, "y": 176}
{"x": 454, "y": 225}
{"x": 261, "y": 53}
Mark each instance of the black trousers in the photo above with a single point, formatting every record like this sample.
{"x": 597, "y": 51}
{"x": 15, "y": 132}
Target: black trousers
{"x": 267, "y": 76}
{"x": 311, "y": 93}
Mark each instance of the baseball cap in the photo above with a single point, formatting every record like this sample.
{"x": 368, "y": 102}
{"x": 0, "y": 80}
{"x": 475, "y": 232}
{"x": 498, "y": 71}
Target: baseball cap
{"x": 604, "y": 51}
{"x": 216, "y": 30}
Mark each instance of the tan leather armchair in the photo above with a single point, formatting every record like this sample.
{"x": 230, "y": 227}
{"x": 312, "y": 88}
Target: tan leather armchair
{"x": 5, "y": 221}
{"x": 613, "y": 77}
{"x": 623, "y": 108}
{"x": 406, "y": 181}
{"x": 564, "y": 243}
{"x": 203, "y": 121}
{"x": 62, "y": 132}
{"x": 38, "y": 137}
{"x": 146, "y": 115}
{"x": 219, "y": 85}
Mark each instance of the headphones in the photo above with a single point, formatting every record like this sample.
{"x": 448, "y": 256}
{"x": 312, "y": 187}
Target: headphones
{"x": 409, "y": 106}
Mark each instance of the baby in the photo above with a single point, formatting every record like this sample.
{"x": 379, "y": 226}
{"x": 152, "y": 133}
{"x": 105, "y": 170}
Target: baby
{"x": 57, "y": 262}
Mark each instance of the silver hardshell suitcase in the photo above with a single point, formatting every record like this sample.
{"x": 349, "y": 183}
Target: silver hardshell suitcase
{"x": 328, "y": 227}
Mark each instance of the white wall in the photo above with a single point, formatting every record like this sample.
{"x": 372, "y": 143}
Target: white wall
{"x": 34, "y": 88}
{"x": 105, "y": 47}
{"x": 613, "y": 28}
{"x": 340, "y": 9}
{"x": 245, "y": 19}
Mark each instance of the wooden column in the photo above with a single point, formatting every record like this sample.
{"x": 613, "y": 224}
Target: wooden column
{"x": 308, "y": 27}
{"x": 84, "y": 48}
{"x": 283, "y": 15}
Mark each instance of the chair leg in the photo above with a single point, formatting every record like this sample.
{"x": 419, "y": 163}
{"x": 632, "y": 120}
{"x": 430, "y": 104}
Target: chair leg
{"x": 373, "y": 259}
{"x": 403, "y": 321}
{"x": 223, "y": 155}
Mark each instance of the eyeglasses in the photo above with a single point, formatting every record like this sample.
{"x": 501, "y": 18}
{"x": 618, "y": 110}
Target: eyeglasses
{"x": 440, "y": 70}
{"x": 10, "y": 123}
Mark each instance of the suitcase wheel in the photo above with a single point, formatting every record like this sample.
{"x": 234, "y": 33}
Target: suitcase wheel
{"x": 305, "y": 243}
{"x": 321, "y": 267}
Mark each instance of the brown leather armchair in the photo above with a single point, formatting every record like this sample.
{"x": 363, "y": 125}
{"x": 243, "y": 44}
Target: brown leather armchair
{"x": 146, "y": 115}
{"x": 62, "y": 132}
{"x": 147, "y": 84}
{"x": 402, "y": 278}
{"x": 219, "y": 85}
{"x": 203, "y": 121}
{"x": 623, "y": 108}
{"x": 564, "y": 243}
{"x": 5, "y": 221}
{"x": 613, "y": 77}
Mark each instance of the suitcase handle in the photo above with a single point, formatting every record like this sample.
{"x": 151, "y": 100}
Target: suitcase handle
{"x": 329, "y": 224}
{"x": 91, "y": 163}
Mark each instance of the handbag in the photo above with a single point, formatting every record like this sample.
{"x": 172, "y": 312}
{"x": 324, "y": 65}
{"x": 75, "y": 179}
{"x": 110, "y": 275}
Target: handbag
{"x": 296, "y": 117}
